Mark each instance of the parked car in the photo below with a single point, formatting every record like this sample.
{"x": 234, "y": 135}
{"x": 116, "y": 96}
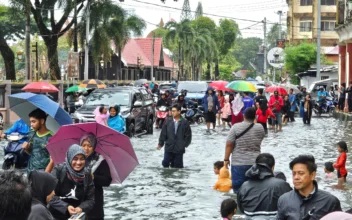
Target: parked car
{"x": 195, "y": 90}
{"x": 137, "y": 107}
{"x": 314, "y": 87}
{"x": 166, "y": 86}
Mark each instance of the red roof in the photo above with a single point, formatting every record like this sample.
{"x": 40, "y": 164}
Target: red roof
{"x": 143, "y": 47}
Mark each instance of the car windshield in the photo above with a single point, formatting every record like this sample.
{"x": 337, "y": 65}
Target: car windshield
{"x": 163, "y": 87}
{"x": 108, "y": 98}
{"x": 193, "y": 87}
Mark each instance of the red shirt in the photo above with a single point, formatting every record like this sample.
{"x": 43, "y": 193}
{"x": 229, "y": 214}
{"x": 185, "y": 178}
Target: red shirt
{"x": 340, "y": 164}
{"x": 261, "y": 118}
{"x": 279, "y": 105}
{"x": 221, "y": 101}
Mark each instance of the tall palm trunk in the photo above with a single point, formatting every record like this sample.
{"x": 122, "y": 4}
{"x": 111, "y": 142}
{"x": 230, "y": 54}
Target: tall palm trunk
{"x": 119, "y": 70}
{"x": 9, "y": 59}
{"x": 179, "y": 61}
{"x": 208, "y": 71}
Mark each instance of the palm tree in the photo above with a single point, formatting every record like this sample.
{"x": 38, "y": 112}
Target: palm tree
{"x": 182, "y": 33}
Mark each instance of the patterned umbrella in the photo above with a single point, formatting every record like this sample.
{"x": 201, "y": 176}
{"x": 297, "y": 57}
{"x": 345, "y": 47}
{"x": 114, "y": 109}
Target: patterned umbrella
{"x": 76, "y": 88}
{"x": 92, "y": 84}
{"x": 241, "y": 86}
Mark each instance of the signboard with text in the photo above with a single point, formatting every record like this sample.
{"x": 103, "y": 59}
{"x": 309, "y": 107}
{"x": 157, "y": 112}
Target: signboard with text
{"x": 72, "y": 64}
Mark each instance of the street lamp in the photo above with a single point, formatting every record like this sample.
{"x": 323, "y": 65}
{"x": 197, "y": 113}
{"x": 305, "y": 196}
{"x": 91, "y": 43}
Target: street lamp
{"x": 19, "y": 55}
{"x": 102, "y": 63}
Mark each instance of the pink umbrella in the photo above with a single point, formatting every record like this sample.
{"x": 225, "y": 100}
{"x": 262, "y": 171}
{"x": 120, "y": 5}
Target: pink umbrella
{"x": 40, "y": 87}
{"x": 115, "y": 147}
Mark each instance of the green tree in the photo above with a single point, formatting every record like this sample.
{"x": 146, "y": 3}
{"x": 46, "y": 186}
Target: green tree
{"x": 273, "y": 35}
{"x": 182, "y": 35}
{"x": 300, "y": 57}
{"x": 246, "y": 50}
{"x": 11, "y": 28}
{"x": 51, "y": 24}
{"x": 227, "y": 32}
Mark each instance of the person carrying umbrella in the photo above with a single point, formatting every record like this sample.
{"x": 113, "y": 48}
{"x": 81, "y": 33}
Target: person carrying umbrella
{"x": 39, "y": 137}
{"x": 115, "y": 121}
{"x": 74, "y": 192}
{"x": 101, "y": 172}
{"x": 276, "y": 103}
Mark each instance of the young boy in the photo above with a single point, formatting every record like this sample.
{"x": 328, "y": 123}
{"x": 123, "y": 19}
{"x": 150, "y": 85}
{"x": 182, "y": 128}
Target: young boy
{"x": 217, "y": 166}
{"x": 38, "y": 138}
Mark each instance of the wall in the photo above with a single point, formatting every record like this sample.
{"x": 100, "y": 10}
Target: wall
{"x": 307, "y": 80}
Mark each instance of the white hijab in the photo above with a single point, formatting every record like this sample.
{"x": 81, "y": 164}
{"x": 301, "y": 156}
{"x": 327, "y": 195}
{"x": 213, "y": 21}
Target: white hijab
{"x": 237, "y": 105}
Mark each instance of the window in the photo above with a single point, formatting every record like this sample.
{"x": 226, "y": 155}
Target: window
{"x": 306, "y": 2}
{"x": 328, "y": 2}
{"x": 324, "y": 77}
{"x": 305, "y": 25}
{"x": 327, "y": 25}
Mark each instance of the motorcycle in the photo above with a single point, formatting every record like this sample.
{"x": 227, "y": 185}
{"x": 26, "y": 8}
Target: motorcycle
{"x": 194, "y": 114}
{"x": 13, "y": 158}
{"x": 327, "y": 108}
{"x": 161, "y": 115}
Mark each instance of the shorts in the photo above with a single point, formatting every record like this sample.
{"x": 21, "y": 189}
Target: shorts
{"x": 210, "y": 117}
{"x": 278, "y": 120}
{"x": 228, "y": 119}
{"x": 238, "y": 176}
{"x": 339, "y": 175}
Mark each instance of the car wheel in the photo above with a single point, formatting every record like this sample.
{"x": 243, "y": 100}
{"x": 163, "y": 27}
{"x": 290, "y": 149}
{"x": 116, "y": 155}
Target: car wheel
{"x": 150, "y": 126}
{"x": 130, "y": 130}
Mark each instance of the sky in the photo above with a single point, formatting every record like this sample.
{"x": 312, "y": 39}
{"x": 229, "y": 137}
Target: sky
{"x": 248, "y": 14}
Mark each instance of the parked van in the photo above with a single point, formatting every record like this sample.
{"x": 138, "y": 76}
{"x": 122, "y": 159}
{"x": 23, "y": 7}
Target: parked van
{"x": 326, "y": 83}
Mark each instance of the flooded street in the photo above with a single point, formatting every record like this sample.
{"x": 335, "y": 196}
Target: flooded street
{"x": 152, "y": 192}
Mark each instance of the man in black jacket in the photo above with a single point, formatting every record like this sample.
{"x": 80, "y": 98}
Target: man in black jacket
{"x": 306, "y": 201}
{"x": 176, "y": 134}
{"x": 257, "y": 197}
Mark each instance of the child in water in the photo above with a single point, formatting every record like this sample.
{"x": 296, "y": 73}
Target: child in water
{"x": 224, "y": 183}
{"x": 228, "y": 209}
{"x": 217, "y": 167}
{"x": 340, "y": 164}
{"x": 329, "y": 169}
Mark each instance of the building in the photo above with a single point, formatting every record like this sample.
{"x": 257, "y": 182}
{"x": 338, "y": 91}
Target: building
{"x": 136, "y": 62}
{"x": 302, "y": 23}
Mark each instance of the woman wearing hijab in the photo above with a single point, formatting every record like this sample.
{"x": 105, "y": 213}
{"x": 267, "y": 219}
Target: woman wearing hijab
{"x": 101, "y": 172}
{"x": 237, "y": 106}
{"x": 115, "y": 121}
{"x": 42, "y": 187}
{"x": 74, "y": 192}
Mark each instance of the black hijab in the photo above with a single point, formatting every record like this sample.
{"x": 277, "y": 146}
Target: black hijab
{"x": 42, "y": 184}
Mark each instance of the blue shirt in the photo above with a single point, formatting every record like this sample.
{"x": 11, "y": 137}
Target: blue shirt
{"x": 321, "y": 93}
{"x": 292, "y": 100}
{"x": 247, "y": 103}
{"x": 117, "y": 123}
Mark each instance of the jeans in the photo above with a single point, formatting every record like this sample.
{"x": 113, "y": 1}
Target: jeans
{"x": 278, "y": 120}
{"x": 174, "y": 160}
{"x": 238, "y": 176}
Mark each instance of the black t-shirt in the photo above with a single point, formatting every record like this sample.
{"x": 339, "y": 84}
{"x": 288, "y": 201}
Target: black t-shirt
{"x": 260, "y": 99}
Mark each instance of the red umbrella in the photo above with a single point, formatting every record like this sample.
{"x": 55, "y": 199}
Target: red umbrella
{"x": 41, "y": 87}
{"x": 281, "y": 90}
{"x": 220, "y": 85}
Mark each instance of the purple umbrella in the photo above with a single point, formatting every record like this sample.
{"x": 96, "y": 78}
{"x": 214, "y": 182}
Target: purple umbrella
{"x": 115, "y": 147}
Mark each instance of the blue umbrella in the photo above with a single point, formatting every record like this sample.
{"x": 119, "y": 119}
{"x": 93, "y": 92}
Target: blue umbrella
{"x": 24, "y": 103}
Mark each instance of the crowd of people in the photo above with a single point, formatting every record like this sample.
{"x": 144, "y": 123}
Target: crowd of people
{"x": 75, "y": 187}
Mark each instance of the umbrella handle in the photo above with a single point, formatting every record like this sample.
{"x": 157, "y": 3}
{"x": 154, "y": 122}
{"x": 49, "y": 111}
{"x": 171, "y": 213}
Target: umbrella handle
{"x": 29, "y": 141}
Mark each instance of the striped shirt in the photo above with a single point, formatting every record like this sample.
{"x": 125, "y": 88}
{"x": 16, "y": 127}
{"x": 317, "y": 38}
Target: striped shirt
{"x": 246, "y": 148}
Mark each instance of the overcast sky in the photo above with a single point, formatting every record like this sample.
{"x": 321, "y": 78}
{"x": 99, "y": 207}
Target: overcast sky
{"x": 254, "y": 10}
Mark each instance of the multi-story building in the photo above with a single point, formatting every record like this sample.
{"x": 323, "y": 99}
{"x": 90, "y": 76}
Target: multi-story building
{"x": 302, "y": 22}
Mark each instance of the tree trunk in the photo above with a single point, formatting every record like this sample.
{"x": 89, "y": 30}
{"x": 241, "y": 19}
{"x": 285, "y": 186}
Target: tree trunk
{"x": 75, "y": 37}
{"x": 119, "y": 69}
{"x": 216, "y": 73}
{"x": 179, "y": 61}
{"x": 51, "y": 44}
{"x": 208, "y": 72}
{"x": 9, "y": 59}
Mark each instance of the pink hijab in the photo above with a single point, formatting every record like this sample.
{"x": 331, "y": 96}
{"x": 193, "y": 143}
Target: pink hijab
{"x": 99, "y": 117}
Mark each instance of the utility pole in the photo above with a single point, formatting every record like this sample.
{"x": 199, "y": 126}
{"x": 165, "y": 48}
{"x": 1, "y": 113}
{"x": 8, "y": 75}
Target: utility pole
{"x": 75, "y": 43}
{"x": 318, "y": 40}
{"x": 86, "y": 50}
{"x": 28, "y": 39}
{"x": 280, "y": 31}
{"x": 152, "y": 68}
{"x": 264, "y": 41}
{"x": 36, "y": 59}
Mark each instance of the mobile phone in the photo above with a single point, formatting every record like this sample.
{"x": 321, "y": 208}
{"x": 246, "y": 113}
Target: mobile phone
{"x": 81, "y": 216}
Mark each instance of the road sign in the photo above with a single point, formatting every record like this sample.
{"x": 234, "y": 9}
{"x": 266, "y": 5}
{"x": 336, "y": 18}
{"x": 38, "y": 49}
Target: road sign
{"x": 276, "y": 57}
